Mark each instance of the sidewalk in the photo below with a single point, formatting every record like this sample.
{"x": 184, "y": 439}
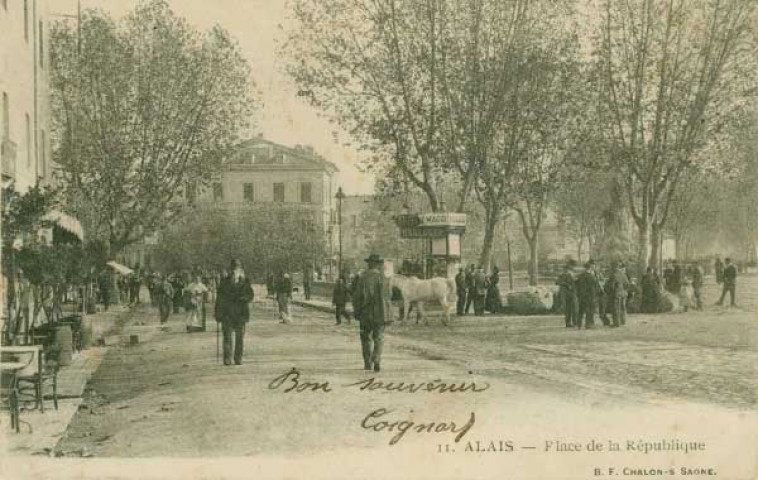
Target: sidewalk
{"x": 40, "y": 432}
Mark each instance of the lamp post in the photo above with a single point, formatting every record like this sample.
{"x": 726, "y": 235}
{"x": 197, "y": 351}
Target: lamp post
{"x": 340, "y": 196}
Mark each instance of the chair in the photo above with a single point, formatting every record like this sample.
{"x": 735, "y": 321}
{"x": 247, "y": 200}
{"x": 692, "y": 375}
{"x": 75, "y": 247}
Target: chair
{"x": 33, "y": 385}
{"x": 9, "y": 398}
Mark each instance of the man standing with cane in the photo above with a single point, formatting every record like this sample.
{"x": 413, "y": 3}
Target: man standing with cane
{"x": 234, "y": 294}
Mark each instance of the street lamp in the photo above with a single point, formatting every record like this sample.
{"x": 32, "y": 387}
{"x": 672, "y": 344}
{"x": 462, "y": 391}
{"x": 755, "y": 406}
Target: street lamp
{"x": 340, "y": 196}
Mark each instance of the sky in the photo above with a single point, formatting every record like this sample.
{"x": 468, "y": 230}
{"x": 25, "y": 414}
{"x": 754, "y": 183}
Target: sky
{"x": 284, "y": 118}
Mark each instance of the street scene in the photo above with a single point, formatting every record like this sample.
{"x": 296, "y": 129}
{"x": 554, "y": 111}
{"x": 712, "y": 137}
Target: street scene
{"x": 379, "y": 239}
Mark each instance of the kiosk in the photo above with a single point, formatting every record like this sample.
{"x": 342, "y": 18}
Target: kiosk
{"x": 440, "y": 234}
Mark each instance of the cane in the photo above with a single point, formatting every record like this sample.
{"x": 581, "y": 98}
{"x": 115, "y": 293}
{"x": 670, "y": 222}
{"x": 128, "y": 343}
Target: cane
{"x": 217, "y": 353}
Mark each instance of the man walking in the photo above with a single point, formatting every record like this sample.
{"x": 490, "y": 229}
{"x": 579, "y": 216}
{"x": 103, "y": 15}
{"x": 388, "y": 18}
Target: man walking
{"x": 620, "y": 294}
{"x": 164, "y": 296}
{"x": 368, "y": 305}
{"x": 233, "y": 311}
{"x": 567, "y": 290}
{"x": 729, "y": 278}
{"x": 460, "y": 289}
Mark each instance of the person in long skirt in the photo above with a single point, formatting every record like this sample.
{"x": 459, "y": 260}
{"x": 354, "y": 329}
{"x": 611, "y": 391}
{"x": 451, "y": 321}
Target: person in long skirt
{"x": 195, "y": 292}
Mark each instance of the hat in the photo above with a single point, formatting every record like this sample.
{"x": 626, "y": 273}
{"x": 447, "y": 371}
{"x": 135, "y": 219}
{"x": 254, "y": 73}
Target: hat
{"x": 374, "y": 258}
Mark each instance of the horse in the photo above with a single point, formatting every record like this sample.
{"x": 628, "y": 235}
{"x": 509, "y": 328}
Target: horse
{"x": 416, "y": 291}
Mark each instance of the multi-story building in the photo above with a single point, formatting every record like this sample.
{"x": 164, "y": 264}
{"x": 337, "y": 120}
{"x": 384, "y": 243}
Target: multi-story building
{"x": 24, "y": 110}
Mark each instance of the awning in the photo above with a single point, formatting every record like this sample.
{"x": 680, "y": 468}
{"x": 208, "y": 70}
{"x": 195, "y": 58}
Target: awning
{"x": 123, "y": 270}
{"x": 66, "y": 222}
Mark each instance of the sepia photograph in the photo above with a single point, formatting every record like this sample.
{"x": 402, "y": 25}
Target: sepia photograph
{"x": 379, "y": 239}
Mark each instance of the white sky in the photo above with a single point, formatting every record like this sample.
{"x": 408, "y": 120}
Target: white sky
{"x": 284, "y": 119}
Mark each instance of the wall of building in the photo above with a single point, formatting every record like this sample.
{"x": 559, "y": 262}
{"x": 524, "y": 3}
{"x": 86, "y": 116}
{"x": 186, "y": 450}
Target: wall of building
{"x": 24, "y": 92}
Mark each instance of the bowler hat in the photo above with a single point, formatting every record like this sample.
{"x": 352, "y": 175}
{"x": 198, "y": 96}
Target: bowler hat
{"x": 374, "y": 258}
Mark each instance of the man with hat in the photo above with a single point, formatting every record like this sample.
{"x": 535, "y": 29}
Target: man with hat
{"x": 567, "y": 291}
{"x": 587, "y": 289}
{"x": 368, "y": 305}
{"x": 234, "y": 294}
{"x": 620, "y": 294}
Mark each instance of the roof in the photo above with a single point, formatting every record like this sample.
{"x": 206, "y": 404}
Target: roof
{"x": 259, "y": 153}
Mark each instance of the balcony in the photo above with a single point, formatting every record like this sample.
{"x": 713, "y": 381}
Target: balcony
{"x": 8, "y": 158}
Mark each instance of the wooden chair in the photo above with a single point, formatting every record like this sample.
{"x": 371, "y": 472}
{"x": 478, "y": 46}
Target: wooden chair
{"x": 9, "y": 398}
{"x": 34, "y": 384}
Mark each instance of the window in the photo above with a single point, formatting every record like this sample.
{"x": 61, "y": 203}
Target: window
{"x": 248, "y": 192}
{"x": 305, "y": 192}
{"x": 279, "y": 192}
{"x": 28, "y": 141}
{"x": 26, "y": 20}
{"x": 218, "y": 191}
{"x": 6, "y": 117}
{"x": 41, "y": 45}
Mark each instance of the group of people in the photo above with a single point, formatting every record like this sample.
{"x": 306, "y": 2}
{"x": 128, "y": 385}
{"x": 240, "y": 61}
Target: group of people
{"x": 474, "y": 287}
{"x": 585, "y": 293}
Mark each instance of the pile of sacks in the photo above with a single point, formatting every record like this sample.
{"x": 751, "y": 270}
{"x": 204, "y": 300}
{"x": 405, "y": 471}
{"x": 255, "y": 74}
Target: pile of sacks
{"x": 530, "y": 301}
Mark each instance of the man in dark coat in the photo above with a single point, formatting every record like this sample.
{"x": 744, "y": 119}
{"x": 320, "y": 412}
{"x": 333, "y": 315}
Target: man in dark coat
{"x": 651, "y": 292}
{"x": 587, "y": 289}
{"x": 730, "y": 282}
{"x": 368, "y": 305}
{"x": 460, "y": 289}
{"x": 164, "y": 297}
{"x": 480, "y": 291}
{"x": 719, "y": 269}
{"x": 567, "y": 290}
{"x": 340, "y": 297}
{"x": 233, "y": 311}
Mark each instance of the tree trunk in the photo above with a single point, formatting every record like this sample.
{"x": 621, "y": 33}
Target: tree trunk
{"x": 533, "y": 261}
{"x": 643, "y": 240}
{"x": 655, "y": 248}
{"x": 490, "y": 224}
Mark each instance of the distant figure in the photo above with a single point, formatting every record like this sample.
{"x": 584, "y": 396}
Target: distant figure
{"x": 234, "y": 294}
{"x": 685, "y": 296}
{"x": 270, "y": 285}
{"x": 196, "y": 292}
{"x": 567, "y": 291}
{"x": 470, "y": 290}
{"x": 368, "y": 306}
{"x": 587, "y": 289}
{"x": 164, "y": 297}
{"x": 621, "y": 286}
{"x": 460, "y": 289}
{"x": 480, "y": 291}
{"x": 178, "y": 284}
{"x": 340, "y": 298}
{"x": 698, "y": 276}
{"x": 307, "y": 283}
{"x": 729, "y": 278}
{"x": 719, "y": 269}
{"x": 493, "y": 302}
{"x": 283, "y": 295}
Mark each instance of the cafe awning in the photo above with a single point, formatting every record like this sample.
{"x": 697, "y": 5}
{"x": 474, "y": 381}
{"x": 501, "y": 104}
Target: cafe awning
{"x": 67, "y": 223}
{"x": 123, "y": 270}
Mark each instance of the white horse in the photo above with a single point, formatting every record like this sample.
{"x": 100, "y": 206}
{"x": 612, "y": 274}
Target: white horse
{"x": 415, "y": 291}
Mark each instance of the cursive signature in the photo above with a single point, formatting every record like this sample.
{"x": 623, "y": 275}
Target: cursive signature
{"x": 373, "y": 421}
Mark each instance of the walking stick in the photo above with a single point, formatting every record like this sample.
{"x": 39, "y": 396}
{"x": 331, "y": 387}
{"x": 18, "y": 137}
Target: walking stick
{"x": 217, "y": 354}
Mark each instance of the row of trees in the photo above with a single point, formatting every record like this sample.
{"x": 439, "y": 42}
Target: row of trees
{"x": 509, "y": 102}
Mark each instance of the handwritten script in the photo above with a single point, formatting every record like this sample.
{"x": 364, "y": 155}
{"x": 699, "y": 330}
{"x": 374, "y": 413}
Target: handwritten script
{"x": 292, "y": 382}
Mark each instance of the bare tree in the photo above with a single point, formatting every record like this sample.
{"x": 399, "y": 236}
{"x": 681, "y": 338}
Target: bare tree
{"x": 669, "y": 71}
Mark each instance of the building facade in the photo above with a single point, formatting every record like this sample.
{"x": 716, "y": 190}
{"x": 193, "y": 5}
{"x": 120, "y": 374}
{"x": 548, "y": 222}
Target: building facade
{"x": 24, "y": 106}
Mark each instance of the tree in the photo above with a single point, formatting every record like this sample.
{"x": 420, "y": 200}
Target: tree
{"x": 141, "y": 109}
{"x": 669, "y": 72}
